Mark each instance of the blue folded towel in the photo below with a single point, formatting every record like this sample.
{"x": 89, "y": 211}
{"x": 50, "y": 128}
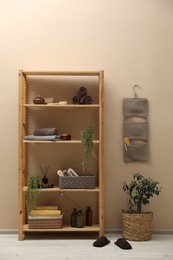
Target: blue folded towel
{"x": 44, "y": 137}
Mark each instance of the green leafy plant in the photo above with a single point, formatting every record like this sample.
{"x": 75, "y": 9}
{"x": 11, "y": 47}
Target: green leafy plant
{"x": 34, "y": 185}
{"x": 139, "y": 191}
{"x": 87, "y": 137}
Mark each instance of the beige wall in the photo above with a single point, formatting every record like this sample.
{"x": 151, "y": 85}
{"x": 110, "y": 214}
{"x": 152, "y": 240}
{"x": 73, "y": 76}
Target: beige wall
{"x": 132, "y": 40}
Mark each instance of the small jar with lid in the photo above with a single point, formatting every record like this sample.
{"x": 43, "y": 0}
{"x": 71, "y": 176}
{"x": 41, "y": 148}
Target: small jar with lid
{"x": 38, "y": 100}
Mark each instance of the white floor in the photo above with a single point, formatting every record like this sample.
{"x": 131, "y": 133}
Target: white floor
{"x": 62, "y": 248}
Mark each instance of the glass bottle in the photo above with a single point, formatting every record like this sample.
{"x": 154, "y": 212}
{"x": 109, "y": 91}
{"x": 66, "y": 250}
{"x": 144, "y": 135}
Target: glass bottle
{"x": 80, "y": 219}
{"x": 73, "y": 217}
{"x": 88, "y": 216}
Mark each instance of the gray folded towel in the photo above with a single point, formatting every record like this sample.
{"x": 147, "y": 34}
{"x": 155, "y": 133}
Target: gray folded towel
{"x": 46, "y": 137}
{"x": 45, "y": 131}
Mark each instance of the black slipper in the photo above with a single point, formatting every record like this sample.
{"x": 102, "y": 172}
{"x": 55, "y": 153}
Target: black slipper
{"x": 123, "y": 244}
{"x": 102, "y": 241}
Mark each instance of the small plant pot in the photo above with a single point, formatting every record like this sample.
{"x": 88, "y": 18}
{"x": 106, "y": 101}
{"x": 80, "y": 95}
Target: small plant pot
{"x": 137, "y": 227}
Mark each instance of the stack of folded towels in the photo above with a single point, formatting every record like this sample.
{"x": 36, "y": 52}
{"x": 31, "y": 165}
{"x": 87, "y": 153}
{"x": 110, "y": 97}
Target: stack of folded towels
{"x": 45, "y": 211}
{"x": 43, "y": 134}
{"x": 82, "y": 97}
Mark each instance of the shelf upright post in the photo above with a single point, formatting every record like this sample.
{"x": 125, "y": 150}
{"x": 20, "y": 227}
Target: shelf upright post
{"x": 22, "y": 153}
{"x": 101, "y": 150}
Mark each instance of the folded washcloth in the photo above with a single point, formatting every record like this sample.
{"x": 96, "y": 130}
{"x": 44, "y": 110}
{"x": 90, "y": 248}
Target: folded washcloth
{"x": 45, "y": 212}
{"x": 45, "y": 131}
{"x": 82, "y": 97}
{"x": 44, "y": 138}
{"x": 45, "y": 207}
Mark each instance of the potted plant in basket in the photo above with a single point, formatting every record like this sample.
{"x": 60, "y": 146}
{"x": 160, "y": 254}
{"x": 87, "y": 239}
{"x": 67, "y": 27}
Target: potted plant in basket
{"x": 136, "y": 223}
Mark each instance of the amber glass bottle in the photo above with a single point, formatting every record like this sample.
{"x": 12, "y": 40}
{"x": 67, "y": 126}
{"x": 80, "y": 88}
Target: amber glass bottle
{"x": 88, "y": 216}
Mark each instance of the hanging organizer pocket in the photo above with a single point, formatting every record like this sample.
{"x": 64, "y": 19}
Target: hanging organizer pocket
{"x": 135, "y": 107}
{"x": 136, "y": 152}
{"x": 135, "y": 132}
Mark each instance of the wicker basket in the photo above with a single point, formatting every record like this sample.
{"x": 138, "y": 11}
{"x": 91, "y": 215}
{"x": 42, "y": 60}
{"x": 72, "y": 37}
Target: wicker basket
{"x": 137, "y": 227}
{"x": 80, "y": 182}
{"x": 45, "y": 222}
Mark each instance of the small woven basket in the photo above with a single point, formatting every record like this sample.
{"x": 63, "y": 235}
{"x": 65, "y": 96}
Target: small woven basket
{"x": 137, "y": 227}
{"x": 79, "y": 182}
{"x": 45, "y": 222}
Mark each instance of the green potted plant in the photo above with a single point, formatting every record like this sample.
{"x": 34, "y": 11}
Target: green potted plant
{"x": 136, "y": 223}
{"x": 34, "y": 185}
{"x": 87, "y": 137}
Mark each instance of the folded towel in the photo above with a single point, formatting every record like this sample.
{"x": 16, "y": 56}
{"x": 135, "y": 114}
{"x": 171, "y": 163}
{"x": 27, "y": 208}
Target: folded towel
{"x": 45, "y": 131}
{"x": 46, "y": 137}
{"x": 82, "y": 97}
{"x": 45, "y": 212}
{"x": 45, "y": 207}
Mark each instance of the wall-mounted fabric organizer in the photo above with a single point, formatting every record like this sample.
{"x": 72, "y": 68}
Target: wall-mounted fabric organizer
{"x": 135, "y": 131}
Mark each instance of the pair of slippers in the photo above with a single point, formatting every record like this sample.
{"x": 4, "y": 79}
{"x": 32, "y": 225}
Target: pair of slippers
{"x": 121, "y": 242}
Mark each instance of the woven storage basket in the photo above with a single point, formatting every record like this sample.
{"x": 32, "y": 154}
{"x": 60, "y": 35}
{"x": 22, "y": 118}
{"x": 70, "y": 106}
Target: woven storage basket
{"x": 45, "y": 222}
{"x": 137, "y": 227}
{"x": 80, "y": 182}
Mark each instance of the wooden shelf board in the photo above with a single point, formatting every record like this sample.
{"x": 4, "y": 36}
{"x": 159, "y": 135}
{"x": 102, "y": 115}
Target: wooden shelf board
{"x": 61, "y": 73}
{"x": 57, "y": 142}
{"x": 66, "y": 228}
{"x": 57, "y": 189}
{"x": 61, "y": 106}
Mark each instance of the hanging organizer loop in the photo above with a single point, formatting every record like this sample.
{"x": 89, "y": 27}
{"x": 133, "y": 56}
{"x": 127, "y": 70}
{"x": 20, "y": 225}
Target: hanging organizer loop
{"x": 134, "y": 91}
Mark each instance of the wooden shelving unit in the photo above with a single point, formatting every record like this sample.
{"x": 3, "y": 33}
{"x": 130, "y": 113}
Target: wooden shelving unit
{"x": 30, "y": 80}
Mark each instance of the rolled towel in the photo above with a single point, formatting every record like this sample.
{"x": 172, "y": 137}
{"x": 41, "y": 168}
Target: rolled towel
{"x": 76, "y": 99}
{"x": 43, "y": 137}
{"x": 65, "y": 173}
{"x": 45, "y": 207}
{"x": 82, "y": 92}
{"x": 45, "y": 131}
{"x": 60, "y": 173}
{"x": 82, "y": 97}
{"x": 45, "y": 212}
{"x": 86, "y": 100}
{"x": 72, "y": 172}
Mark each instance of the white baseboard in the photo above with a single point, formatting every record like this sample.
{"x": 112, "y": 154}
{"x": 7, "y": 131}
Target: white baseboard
{"x": 154, "y": 231}
{"x": 8, "y": 231}
{"x": 109, "y": 231}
